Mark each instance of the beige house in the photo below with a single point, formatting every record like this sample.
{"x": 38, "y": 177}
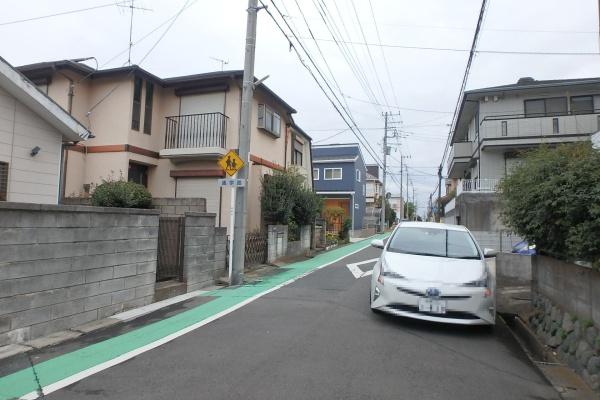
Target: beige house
{"x": 168, "y": 134}
{"x": 33, "y": 129}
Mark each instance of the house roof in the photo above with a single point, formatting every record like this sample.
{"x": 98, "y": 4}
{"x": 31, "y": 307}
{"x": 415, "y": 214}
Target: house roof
{"x": 341, "y": 150}
{"x": 25, "y": 91}
{"x": 44, "y": 70}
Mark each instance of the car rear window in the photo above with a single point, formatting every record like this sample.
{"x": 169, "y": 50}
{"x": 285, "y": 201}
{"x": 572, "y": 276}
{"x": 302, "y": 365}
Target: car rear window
{"x": 433, "y": 242}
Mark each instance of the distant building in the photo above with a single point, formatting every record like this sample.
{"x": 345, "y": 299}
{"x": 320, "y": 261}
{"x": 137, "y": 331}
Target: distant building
{"x": 374, "y": 185}
{"x": 339, "y": 177}
{"x": 32, "y": 133}
{"x": 397, "y": 203}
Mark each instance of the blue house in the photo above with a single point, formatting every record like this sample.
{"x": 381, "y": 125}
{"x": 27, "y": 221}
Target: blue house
{"x": 340, "y": 177}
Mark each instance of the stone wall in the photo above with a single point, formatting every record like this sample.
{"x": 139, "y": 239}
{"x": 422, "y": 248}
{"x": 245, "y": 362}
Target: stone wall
{"x": 63, "y": 266}
{"x": 277, "y": 239}
{"x": 204, "y": 250}
{"x": 177, "y": 207}
{"x": 567, "y": 313}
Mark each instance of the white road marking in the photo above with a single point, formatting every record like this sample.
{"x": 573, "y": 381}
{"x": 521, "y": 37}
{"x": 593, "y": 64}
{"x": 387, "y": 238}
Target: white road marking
{"x": 134, "y": 353}
{"x": 138, "y": 312}
{"x": 359, "y": 273}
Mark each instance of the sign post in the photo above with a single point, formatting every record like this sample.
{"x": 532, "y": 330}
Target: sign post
{"x": 231, "y": 163}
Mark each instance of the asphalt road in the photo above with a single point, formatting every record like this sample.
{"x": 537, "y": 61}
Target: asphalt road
{"x": 317, "y": 339}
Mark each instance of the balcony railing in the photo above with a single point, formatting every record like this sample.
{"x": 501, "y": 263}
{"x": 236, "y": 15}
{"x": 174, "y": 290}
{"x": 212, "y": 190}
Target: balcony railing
{"x": 196, "y": 131}
{"x": 477, "y": 185}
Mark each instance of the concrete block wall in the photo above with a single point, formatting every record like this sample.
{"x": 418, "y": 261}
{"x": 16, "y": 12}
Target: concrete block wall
{"x": 204, "y": 250}
{"x": 300, "y": 247}
{"x": 515, "y": 267}
{"x": 277, "y": 240}
{"x": 63, "y": 266}
{"x": 177, "y": 207}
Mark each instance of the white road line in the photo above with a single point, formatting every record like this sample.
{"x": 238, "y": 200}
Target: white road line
{"x": 138, "y": 312}
{"x": 127, "y": 356}
{"x": 359, "y": 273}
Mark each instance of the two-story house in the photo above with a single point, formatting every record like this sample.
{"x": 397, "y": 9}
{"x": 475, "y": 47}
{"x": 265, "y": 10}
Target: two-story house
{"x": 495, "y": 124}
{"x": 33, "y": 130}
{"x": 168, "y": 133}
{"x": 374, "y": 185}
{"x": 339, "y": 177}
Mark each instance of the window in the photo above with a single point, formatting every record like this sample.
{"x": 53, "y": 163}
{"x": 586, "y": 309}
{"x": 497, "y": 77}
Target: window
{"x": 148, "y": 108}
{"x": 315, "y": 174}
{"x": 554, "y": 125}
{"x": 3, "y": 181}
{"x": 546, "y": 107}
{"x": 582, "y": 104}
{"x": 297, "y": 154}
{"x": 137, "y": 104}
{"x": 269, "y": 120}
{"x": 357, "y": 175}
{"x": 364, "y": 190}
{"x": 333, "y": 174}
{"x": 433, "y": 242}
{"x": 504, "y": 128}
{"x": 138, "y": 173}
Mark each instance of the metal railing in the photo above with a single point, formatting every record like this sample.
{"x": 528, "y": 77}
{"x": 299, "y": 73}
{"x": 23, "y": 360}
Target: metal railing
{"x": 477, "y": 185}
{"x": 196, "y": 130}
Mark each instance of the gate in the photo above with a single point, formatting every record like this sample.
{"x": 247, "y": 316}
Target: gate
{"x": 256, "y": 249}
{"x": 170, "y": 248}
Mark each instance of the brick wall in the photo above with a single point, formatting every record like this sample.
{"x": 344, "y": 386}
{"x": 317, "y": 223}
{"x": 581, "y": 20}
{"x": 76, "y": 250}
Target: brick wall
{"x": 63, "y": 266}
{"x": 204, "y": 250}
{"x": 177, "y": 207}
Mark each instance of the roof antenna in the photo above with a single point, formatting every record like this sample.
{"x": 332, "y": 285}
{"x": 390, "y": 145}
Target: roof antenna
{"x": 131, "y": 7}
{"x": 223, "y": 62}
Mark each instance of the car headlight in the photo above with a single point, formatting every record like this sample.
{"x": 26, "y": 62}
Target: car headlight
{"x": 386, "y": 272}
{"x": 483, "y": 282}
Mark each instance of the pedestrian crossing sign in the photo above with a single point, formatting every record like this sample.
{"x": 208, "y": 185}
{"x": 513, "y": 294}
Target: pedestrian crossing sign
{"x": 231, "y": 163}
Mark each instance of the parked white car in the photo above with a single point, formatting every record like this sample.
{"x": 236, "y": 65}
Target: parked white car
{"x": 434, "y": 272}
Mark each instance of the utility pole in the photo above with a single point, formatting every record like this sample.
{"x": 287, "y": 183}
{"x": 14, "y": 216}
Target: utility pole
{"x": 439, "y": 202}
{"x": 385, "y": 151}
{"x": 401, "y": 202}
{"x": 239, "y": 228}
{"x": 415, "y": 203}
{"x": 407, "y": 211}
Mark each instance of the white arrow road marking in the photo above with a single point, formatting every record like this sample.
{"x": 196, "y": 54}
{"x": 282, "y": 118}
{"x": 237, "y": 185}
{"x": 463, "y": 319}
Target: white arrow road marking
{"x": 359, "y": 273}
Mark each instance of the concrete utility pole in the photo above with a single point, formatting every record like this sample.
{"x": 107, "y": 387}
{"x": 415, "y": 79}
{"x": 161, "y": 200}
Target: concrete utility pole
{"x": 385, "y": 151}
{"x": 401, "y": 201}
{"x": 239, "y": 228}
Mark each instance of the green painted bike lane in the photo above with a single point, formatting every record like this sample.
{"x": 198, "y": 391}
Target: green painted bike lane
{"x": 49, "y": 372}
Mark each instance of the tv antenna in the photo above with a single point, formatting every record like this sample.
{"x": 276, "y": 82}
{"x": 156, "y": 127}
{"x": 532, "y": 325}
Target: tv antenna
{"x": 223, "y": 62}
{"x": 132, "y": 7}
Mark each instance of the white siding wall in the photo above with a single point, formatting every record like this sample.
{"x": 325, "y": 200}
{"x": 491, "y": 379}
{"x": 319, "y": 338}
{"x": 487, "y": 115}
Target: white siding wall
{"x": 31, "y": 179}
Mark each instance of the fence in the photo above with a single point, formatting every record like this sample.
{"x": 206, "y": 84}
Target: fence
{"x": 498, "y": 240}
{"x": 196, "y": 130}
{"x": 256, "y": 248}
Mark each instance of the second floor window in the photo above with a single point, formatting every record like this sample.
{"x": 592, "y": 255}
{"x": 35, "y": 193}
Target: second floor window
{"x": 137, "y": 104}
{"x": 148, "y": 107}
{"x": 298, "y": 153}
{"x": 546, "y": 107}
{"x": 269, "y": 120}
{"x": 357, "y": 175}
{"x": 582, "y": 104}
{"x": 332, "y": 174}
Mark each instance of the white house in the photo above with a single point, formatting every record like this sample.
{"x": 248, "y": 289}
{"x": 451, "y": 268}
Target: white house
{"x": 33, "y": 129}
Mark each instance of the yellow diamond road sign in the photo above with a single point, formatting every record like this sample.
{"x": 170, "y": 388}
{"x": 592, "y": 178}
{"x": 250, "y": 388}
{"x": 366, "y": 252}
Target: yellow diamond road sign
{"x": 231, "y": 163}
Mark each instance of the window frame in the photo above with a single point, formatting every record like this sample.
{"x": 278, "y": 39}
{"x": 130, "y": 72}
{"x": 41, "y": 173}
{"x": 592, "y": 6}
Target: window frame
{"x": 148, "y": 108}
{"x": 332, "y": 175}
{"x": 546, "y": 113}
{"x": 137, "y": 103}
{"x": 269, "y": 119}
{"x": 590, "y": 111}
{"x": 138, "y": 167}
{"x": 358, "y": 175}
{"x": 315, "y": 175}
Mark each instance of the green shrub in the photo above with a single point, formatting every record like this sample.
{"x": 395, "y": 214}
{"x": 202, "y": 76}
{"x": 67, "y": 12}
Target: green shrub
{"x": 346, "y": 226}
{"x": 551, "y": 199}
{"x": 119, "y": 193}
{"x": 307, "y": 206}
{"x": 278, "y": 195}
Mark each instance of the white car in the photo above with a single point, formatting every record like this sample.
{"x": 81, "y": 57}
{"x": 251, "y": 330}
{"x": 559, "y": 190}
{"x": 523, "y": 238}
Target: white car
{"x": 434, "y": 272}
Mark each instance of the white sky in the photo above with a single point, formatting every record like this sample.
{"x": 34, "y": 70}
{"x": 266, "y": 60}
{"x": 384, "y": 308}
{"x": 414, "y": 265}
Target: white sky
{"x": 421, "y": 79}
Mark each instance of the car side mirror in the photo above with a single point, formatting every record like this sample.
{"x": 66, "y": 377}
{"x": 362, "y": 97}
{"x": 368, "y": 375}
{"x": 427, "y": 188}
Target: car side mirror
{"x": 378, "y": 243}
{"x": 490, "y": 253}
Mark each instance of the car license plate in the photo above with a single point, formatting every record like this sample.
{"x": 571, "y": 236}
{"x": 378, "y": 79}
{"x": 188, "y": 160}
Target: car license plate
{"x": 432, "y": 306}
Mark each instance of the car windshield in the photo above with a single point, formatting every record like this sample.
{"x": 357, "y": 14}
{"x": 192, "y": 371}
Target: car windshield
{"x": 433, "y": 242}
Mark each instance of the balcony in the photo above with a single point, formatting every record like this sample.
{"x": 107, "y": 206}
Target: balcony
{"x": 459, "y": 159}
{"x": 195, "y": 136}
{"x": 477, "y": 186}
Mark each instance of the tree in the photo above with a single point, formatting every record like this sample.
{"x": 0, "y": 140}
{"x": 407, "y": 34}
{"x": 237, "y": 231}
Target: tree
{"x": 409, "y": 210}
{"x": 551, "y": 199}
{"x": 120, "y": 193}
{"x": 390, "y": 214}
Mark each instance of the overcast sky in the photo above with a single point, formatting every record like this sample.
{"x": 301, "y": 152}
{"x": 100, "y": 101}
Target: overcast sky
{"x": 418, "y": 79}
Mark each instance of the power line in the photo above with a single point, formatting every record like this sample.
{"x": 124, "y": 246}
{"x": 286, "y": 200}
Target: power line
{"x": 358, "y": 135}
{"x": 458, "y": 50}
{"x": 18, "y": 21}
{"x": 332, "y": 136}
{"x": 403, "y": 108}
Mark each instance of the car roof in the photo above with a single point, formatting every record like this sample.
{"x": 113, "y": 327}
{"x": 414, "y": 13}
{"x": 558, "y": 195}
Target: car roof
{"x": 433, "y": 225}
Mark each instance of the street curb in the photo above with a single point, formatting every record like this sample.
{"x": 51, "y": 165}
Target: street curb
{"x": 568, "y": 384}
